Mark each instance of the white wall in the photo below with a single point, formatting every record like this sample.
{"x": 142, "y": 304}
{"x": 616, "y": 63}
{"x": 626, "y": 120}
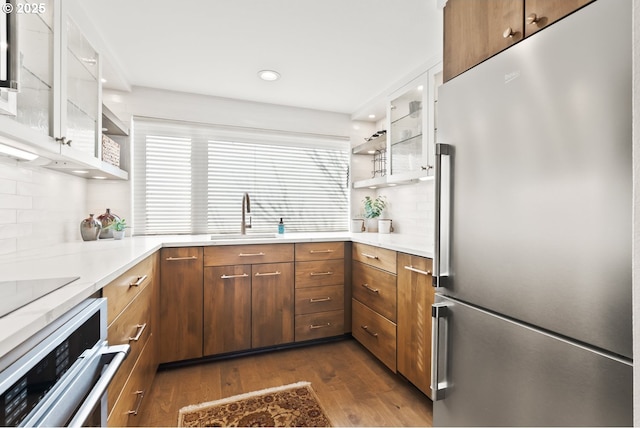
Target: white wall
{"x": 39, "y": 207}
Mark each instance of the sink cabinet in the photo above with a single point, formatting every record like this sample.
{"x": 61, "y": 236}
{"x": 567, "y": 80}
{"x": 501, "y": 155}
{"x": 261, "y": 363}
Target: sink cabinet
{"x": 248, "y": 297}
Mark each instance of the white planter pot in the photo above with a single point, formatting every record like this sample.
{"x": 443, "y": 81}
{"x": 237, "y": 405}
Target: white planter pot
{"x": 371, "y": 224}
{"x": 118, "y": 234}
{"x": 357, "y": 225}
{"x": 384, "y": 226}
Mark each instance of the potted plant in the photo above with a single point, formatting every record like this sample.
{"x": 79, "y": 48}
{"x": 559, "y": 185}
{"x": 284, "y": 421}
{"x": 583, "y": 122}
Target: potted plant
{"x": 372, "y": 210}
{"x": 118, "y": 226}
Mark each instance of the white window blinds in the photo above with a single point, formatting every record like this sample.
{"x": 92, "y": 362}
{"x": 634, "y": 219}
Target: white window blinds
{"x": 190, "y": 178}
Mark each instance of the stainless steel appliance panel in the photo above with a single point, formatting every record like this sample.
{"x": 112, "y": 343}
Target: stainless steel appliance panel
{"x": 541, "y": 179}
{"x": 502, "y": 373}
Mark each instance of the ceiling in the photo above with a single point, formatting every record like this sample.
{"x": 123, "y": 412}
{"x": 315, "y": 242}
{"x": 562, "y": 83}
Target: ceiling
{"x": 333, "y": 55}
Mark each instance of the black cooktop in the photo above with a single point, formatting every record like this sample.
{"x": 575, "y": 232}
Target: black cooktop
{"x": 16, "y": 294}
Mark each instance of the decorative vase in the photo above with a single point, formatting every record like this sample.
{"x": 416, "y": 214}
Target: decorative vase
{"x": 357, "y": 225}
{"x": 385, "y": 226}
{"x": 372, "y": 224}
{"x": 106, "y": 220}
{"x": 118, "y": 234}
{"x": 90, "y": 228}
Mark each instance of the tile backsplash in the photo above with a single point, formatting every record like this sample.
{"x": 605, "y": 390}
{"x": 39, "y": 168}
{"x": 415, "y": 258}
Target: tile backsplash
{"x": 38, "y": 207}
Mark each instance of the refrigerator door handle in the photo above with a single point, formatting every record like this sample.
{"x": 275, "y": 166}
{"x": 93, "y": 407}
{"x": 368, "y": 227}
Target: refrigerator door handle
{"x": 442, "y": 197}
{"x": 439, "y": 312}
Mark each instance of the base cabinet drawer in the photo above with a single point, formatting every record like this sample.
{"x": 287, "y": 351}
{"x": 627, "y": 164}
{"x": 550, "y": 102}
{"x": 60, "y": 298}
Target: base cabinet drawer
{"x": 375, "y": 256}
{"x": 376, "y": 333}
{"x": 126, "y": 287}
{"x": 319, "y": 272}
{"x": 132, "y": 327}
{"x": 319, "y": 299}
{"x": 376, "y": 289}
{"x": 319, "y": 325}
{"x": 319, "y": 251}
{"x": 126, "y": 408}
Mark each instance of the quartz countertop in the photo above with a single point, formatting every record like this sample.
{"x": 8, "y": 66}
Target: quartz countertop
{"x": 97, "y": 263}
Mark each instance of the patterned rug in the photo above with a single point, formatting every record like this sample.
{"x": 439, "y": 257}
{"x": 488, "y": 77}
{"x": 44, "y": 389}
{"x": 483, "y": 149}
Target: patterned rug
{"x": 294, "y": 405}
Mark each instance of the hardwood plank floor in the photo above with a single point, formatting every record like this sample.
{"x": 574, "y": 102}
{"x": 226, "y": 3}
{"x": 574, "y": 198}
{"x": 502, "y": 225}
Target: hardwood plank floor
{"x": 354, "y": 388}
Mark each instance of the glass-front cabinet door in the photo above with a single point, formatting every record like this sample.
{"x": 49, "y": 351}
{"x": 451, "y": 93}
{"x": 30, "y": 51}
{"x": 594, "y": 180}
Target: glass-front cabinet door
{"x": 81, "y": 101}
{"x": 36, "y": 41}
{"x": 412, "y": 124}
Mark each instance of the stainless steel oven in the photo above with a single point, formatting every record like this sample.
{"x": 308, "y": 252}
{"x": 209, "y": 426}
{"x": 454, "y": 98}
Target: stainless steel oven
{"x": 59, "y": 377}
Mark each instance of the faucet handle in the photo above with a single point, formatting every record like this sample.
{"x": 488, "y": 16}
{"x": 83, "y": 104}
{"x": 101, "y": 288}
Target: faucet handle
{"x": 248, "y": 226}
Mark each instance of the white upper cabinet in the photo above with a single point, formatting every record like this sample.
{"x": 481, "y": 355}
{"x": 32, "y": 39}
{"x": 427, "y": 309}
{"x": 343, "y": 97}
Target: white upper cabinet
{"x": 58, "y": 108}
{"x": 409, "y": 144}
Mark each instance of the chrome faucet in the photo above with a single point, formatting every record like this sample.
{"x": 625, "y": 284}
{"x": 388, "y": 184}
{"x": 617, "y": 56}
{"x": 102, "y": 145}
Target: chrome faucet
{"x": 246, "y": 206}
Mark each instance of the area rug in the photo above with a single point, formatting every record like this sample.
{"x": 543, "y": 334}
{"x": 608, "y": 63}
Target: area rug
{"x": 294, "y": 405}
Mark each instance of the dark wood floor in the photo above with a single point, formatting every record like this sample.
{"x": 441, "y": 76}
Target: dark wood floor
{"x": 354, "y": 388}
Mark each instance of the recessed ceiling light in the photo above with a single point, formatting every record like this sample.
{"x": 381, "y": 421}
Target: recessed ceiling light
{"x": 371, "y": 152}
{"x": 372, "y": 116}
{"x": 80, "y": 172}
{"x": 103, "y": 80}
{"x": 420, "y": 88}
{"x": 99, "y": 177}
{"x": 268, "y": 75}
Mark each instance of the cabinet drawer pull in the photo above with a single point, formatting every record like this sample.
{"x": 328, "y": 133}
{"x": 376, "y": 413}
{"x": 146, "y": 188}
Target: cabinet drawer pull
{"x": 533, "y": 19}
{"x": 320, "y": 251}
{"x": 251, "y": 254}
{"x": 315, "y": 327}
{"x": 320, "y": 273}
{"x": 242, "y": 275}
{"x": 140, "y": 395}
{"x": 366, "y": 329}
{"x": 140, "y": 329}
{"x": 139, "y": 281}
{"x": 416, "y": 270}
{"x": 508, "y": 33}
{"x": 369, "y": 256}
{"x": 173, "y": 259}
{"x": 268, "y": 273}
{"x": 373, "y": 290}
{"x": 318, "y": 300}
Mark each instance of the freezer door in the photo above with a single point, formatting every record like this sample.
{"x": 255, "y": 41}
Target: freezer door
{"x": 500, "y": 373}
{"x": 540, "y": 182}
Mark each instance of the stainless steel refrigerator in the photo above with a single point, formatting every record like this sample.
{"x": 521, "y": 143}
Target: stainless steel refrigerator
{"x": 532, "y": 322}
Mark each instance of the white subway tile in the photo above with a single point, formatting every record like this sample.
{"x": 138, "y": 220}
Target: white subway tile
{"x": 7, "y": 216}
{"x": 7, "y": 187}
{"x": 15, "y": 202}
{"x": 8, "y": 246}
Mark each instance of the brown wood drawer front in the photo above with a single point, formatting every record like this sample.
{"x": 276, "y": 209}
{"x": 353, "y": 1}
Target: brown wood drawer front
{"x": 122, "y": 290}
{"x": 319, "y": 325}
{"x": 125, "y": 409}
{"x": 321, "y": 272}
{"x": 132, "y": 327}
{"x": 375, "y": 256}
{"x": 319, "y": 299}
{"x": 226, "y": 255}
{"x": 376, "y": 289}
{"x": 376, "y": 333}
{"x": 319, "y": 251}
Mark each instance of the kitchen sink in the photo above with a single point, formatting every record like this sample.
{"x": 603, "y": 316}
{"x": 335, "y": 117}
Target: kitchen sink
{"x": 236, "y": 236}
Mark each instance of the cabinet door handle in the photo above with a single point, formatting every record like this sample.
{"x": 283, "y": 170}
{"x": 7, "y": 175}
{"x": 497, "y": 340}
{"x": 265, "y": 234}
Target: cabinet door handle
{"x": 320, "y": 273}
{"x": 250, "y": 254}
{"x": 317, "y": 326}
{"x": 373, "y": 290}
{"x": 416, "y": 270}
{"x": 533, "y": 19}
{"x": 173, "y": 259}
{"x": 366, "y": 329}
{"x": 369, "y": 256}
{"x": 321, "y": 251}
{"x": 508, "y": 33}
{"x": 139, "y": 281}
{"x": 140, "y": 395}
{"x": 140, "y": 329}
{"x": 242, "y": 275}
{"x": 323, "y": 299}
{"x": 268, "y": 273}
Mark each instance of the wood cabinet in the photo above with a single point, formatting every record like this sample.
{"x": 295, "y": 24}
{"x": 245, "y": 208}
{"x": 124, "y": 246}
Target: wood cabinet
{"x": 319, "y": 290}
{"x": 132, "y": 301}
{"x": 415, "y": 297}
{"x": 477, "y": 30}
{"x": 374, "y": 302}
{"x": 181, "y": 303}
{"x": 248, "y": 304}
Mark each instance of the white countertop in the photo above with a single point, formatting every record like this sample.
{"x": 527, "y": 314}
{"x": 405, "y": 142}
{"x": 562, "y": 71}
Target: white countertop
{"x": 99, "y": 262}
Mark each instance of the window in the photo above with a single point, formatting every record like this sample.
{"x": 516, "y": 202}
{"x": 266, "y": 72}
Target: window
{"x": 190, "y": 178}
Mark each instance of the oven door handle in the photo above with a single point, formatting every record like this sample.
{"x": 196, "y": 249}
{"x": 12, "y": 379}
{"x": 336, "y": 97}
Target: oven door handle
{"x": 117, "y": 355}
